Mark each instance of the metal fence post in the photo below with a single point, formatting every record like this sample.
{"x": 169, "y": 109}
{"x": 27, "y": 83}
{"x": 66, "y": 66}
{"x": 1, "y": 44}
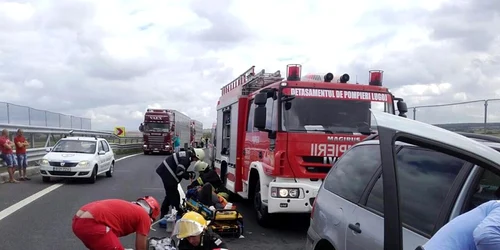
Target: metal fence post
{"x": 485, "y": 114}
{"x": 46, "y": 119}
{"x": 29, "y": 115}
{"x": 8, "y": 113}
{"x": 414, "y": 113}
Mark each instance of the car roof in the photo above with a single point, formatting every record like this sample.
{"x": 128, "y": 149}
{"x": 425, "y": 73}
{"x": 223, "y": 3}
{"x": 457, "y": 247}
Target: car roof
{"x": 75, "y": 138}
{"x": 435, "y": 133}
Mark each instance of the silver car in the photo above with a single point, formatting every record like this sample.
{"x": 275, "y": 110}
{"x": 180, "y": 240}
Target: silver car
{"x": 397, "y": 188}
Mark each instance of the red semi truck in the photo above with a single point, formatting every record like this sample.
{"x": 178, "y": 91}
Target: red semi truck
{"x": 160, "y": 127}
{"x": 276, "y": 139}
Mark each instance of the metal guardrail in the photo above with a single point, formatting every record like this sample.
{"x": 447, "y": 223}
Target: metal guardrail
{"x": 18, "y": 114}
{"x": 42, "y": 137}
{"x": 36, "y": 154}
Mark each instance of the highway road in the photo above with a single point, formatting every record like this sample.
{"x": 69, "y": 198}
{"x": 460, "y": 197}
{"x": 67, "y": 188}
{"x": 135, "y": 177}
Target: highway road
{"x": 42, "y": 221}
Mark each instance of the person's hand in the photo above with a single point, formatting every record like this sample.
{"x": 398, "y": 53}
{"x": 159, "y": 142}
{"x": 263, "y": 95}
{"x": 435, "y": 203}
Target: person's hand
{"x": 192, "y": 174}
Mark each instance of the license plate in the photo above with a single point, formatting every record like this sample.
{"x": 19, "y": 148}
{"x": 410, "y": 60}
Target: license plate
{"x": 62, "y": 169}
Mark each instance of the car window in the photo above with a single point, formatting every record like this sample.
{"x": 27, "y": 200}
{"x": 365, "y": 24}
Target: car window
{"x": 105, "y": 146}
{"x": 100, "y": 147}
{"x": 352, "y": 172}
{"x": 488, "y": 188}
{"x": 424, "y": 179}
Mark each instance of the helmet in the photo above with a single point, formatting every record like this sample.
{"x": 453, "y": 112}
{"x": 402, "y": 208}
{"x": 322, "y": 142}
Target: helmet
{"x": 224, "y": 195}
{"x": 154, "y": 206}
{"x": 191, "y": 224}
{"x": 198, "y": 153}
{"x": 200, "y": 166}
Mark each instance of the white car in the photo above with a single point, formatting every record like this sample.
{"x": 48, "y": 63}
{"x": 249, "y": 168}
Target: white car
{"x": 78, "y": 157}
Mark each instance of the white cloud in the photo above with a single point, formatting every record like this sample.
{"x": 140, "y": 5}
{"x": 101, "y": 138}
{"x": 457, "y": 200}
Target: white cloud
{"x": 110, "y": 60}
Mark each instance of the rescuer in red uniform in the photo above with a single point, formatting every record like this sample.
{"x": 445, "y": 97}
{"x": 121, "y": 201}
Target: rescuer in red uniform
{"x": 99, "y": 224}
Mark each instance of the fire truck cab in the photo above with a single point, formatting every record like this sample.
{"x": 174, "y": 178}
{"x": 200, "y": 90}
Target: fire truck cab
{"x": 276, "y": 138}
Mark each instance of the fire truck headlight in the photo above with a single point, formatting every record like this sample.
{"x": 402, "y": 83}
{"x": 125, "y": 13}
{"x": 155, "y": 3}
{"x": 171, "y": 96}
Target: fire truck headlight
{"x": 285, "y": 192}
{"x": 144, "y": 146}
{"x": 293, "y": 192}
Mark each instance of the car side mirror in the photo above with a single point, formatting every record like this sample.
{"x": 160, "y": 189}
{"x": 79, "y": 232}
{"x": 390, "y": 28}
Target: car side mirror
{"x": 259, "y": 118}
{"x": 402, "y": 108}
{"x": 102, "y": 152}
{"x": 48, "y": 149}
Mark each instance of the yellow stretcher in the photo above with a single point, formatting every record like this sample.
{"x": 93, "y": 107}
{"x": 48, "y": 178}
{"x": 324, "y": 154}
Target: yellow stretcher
{"x": 225, "y": 222}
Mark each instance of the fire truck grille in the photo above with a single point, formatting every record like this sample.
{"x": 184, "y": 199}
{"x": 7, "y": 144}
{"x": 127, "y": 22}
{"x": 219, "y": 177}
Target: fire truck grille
{"x": 317, "y": 170}
{"x": 313, "y": 159}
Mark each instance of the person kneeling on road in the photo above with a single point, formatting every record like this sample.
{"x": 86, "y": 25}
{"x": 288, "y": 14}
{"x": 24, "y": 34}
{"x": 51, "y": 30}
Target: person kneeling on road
{"x": 477, "y": 229}
{"x": 206, "y": 175}
{"x": 171, "y": 171}
{"x": 99, "y": 224}
{"x": 193, "y": 234}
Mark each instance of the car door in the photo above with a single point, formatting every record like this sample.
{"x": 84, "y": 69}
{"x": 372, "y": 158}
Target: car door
{"x": 101, "y": 158}
{"x": 391, "y": 129}
{"x": 108, "y": 155}
{"x": 426, "y": 181}
{"x": 341, "y": 192}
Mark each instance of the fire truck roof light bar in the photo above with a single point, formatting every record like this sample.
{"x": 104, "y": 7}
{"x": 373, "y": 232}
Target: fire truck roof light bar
{"x": 376, "y": 77}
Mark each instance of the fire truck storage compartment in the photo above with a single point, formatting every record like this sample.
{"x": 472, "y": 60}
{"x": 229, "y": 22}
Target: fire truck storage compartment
{"x": 227, "y": 120}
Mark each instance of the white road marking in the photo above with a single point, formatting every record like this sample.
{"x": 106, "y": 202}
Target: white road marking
{"x": 15, "y": 207}
{"x": 8, "y": 211}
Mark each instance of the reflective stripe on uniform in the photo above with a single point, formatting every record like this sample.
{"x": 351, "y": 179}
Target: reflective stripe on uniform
{"x": 170, "y": 170}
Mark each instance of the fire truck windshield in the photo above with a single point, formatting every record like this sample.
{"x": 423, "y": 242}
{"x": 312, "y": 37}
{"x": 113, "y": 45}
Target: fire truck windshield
{"x": 156, "y": 127}
{"x": 330, "y": 115}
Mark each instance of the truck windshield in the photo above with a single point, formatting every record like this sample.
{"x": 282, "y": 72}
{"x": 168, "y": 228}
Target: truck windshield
{"x": 157, "y": 127}
{"x": 333, "y": 115}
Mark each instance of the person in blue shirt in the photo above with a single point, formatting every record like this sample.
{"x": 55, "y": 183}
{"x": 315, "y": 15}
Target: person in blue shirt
{"x": 177, "y": 144}
{"x": 478, "y": 229}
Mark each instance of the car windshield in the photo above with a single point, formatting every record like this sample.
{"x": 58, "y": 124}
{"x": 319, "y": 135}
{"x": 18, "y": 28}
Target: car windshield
{"x": 333, "y": 111}
{"x": 75, "y": 146}
{"x": 156, "y": 127}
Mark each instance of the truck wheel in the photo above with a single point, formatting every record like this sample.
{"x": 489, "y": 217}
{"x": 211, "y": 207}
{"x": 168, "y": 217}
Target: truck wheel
{"x": 263, "y": 217}
{"x": 146, "y": 152}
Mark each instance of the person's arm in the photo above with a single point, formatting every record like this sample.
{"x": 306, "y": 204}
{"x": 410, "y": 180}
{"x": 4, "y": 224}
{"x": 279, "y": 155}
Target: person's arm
{"x": 217, "y": 242}
{"x": 142, "y": 232}
{"x": 18, "y": 143}
{"x": 487, "y": 233}
{"x": 141, "y": 242}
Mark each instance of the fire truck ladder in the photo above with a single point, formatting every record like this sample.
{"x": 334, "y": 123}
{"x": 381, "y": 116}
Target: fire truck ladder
{"x": 260, "y": 80}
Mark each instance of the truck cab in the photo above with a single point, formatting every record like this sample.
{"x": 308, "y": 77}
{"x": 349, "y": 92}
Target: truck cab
{"x": 289, "y": 132}
{"x": 156, "y": 130}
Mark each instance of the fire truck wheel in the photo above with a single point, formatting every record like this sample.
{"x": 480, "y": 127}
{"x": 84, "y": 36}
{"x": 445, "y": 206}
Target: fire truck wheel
{"x": 263, "y": 217}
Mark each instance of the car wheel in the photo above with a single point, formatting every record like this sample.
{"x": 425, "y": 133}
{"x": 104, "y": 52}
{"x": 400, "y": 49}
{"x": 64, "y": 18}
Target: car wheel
{"x": 111, "y": 170}
{"x": 45, "y": 179}
{"x": 264, "y": 219}
{"x": 93, "y": 177}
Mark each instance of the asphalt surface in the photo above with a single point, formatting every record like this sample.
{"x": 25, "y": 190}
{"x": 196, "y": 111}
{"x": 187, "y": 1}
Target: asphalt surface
{"x": 45, "y": 223}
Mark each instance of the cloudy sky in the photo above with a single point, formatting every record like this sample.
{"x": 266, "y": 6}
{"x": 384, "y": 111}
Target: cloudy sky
{"x": 110, "y": 60}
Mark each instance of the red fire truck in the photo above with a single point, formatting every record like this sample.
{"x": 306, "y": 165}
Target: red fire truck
{"x": 159, "y": 128}
{"x": 277, "y": 138}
